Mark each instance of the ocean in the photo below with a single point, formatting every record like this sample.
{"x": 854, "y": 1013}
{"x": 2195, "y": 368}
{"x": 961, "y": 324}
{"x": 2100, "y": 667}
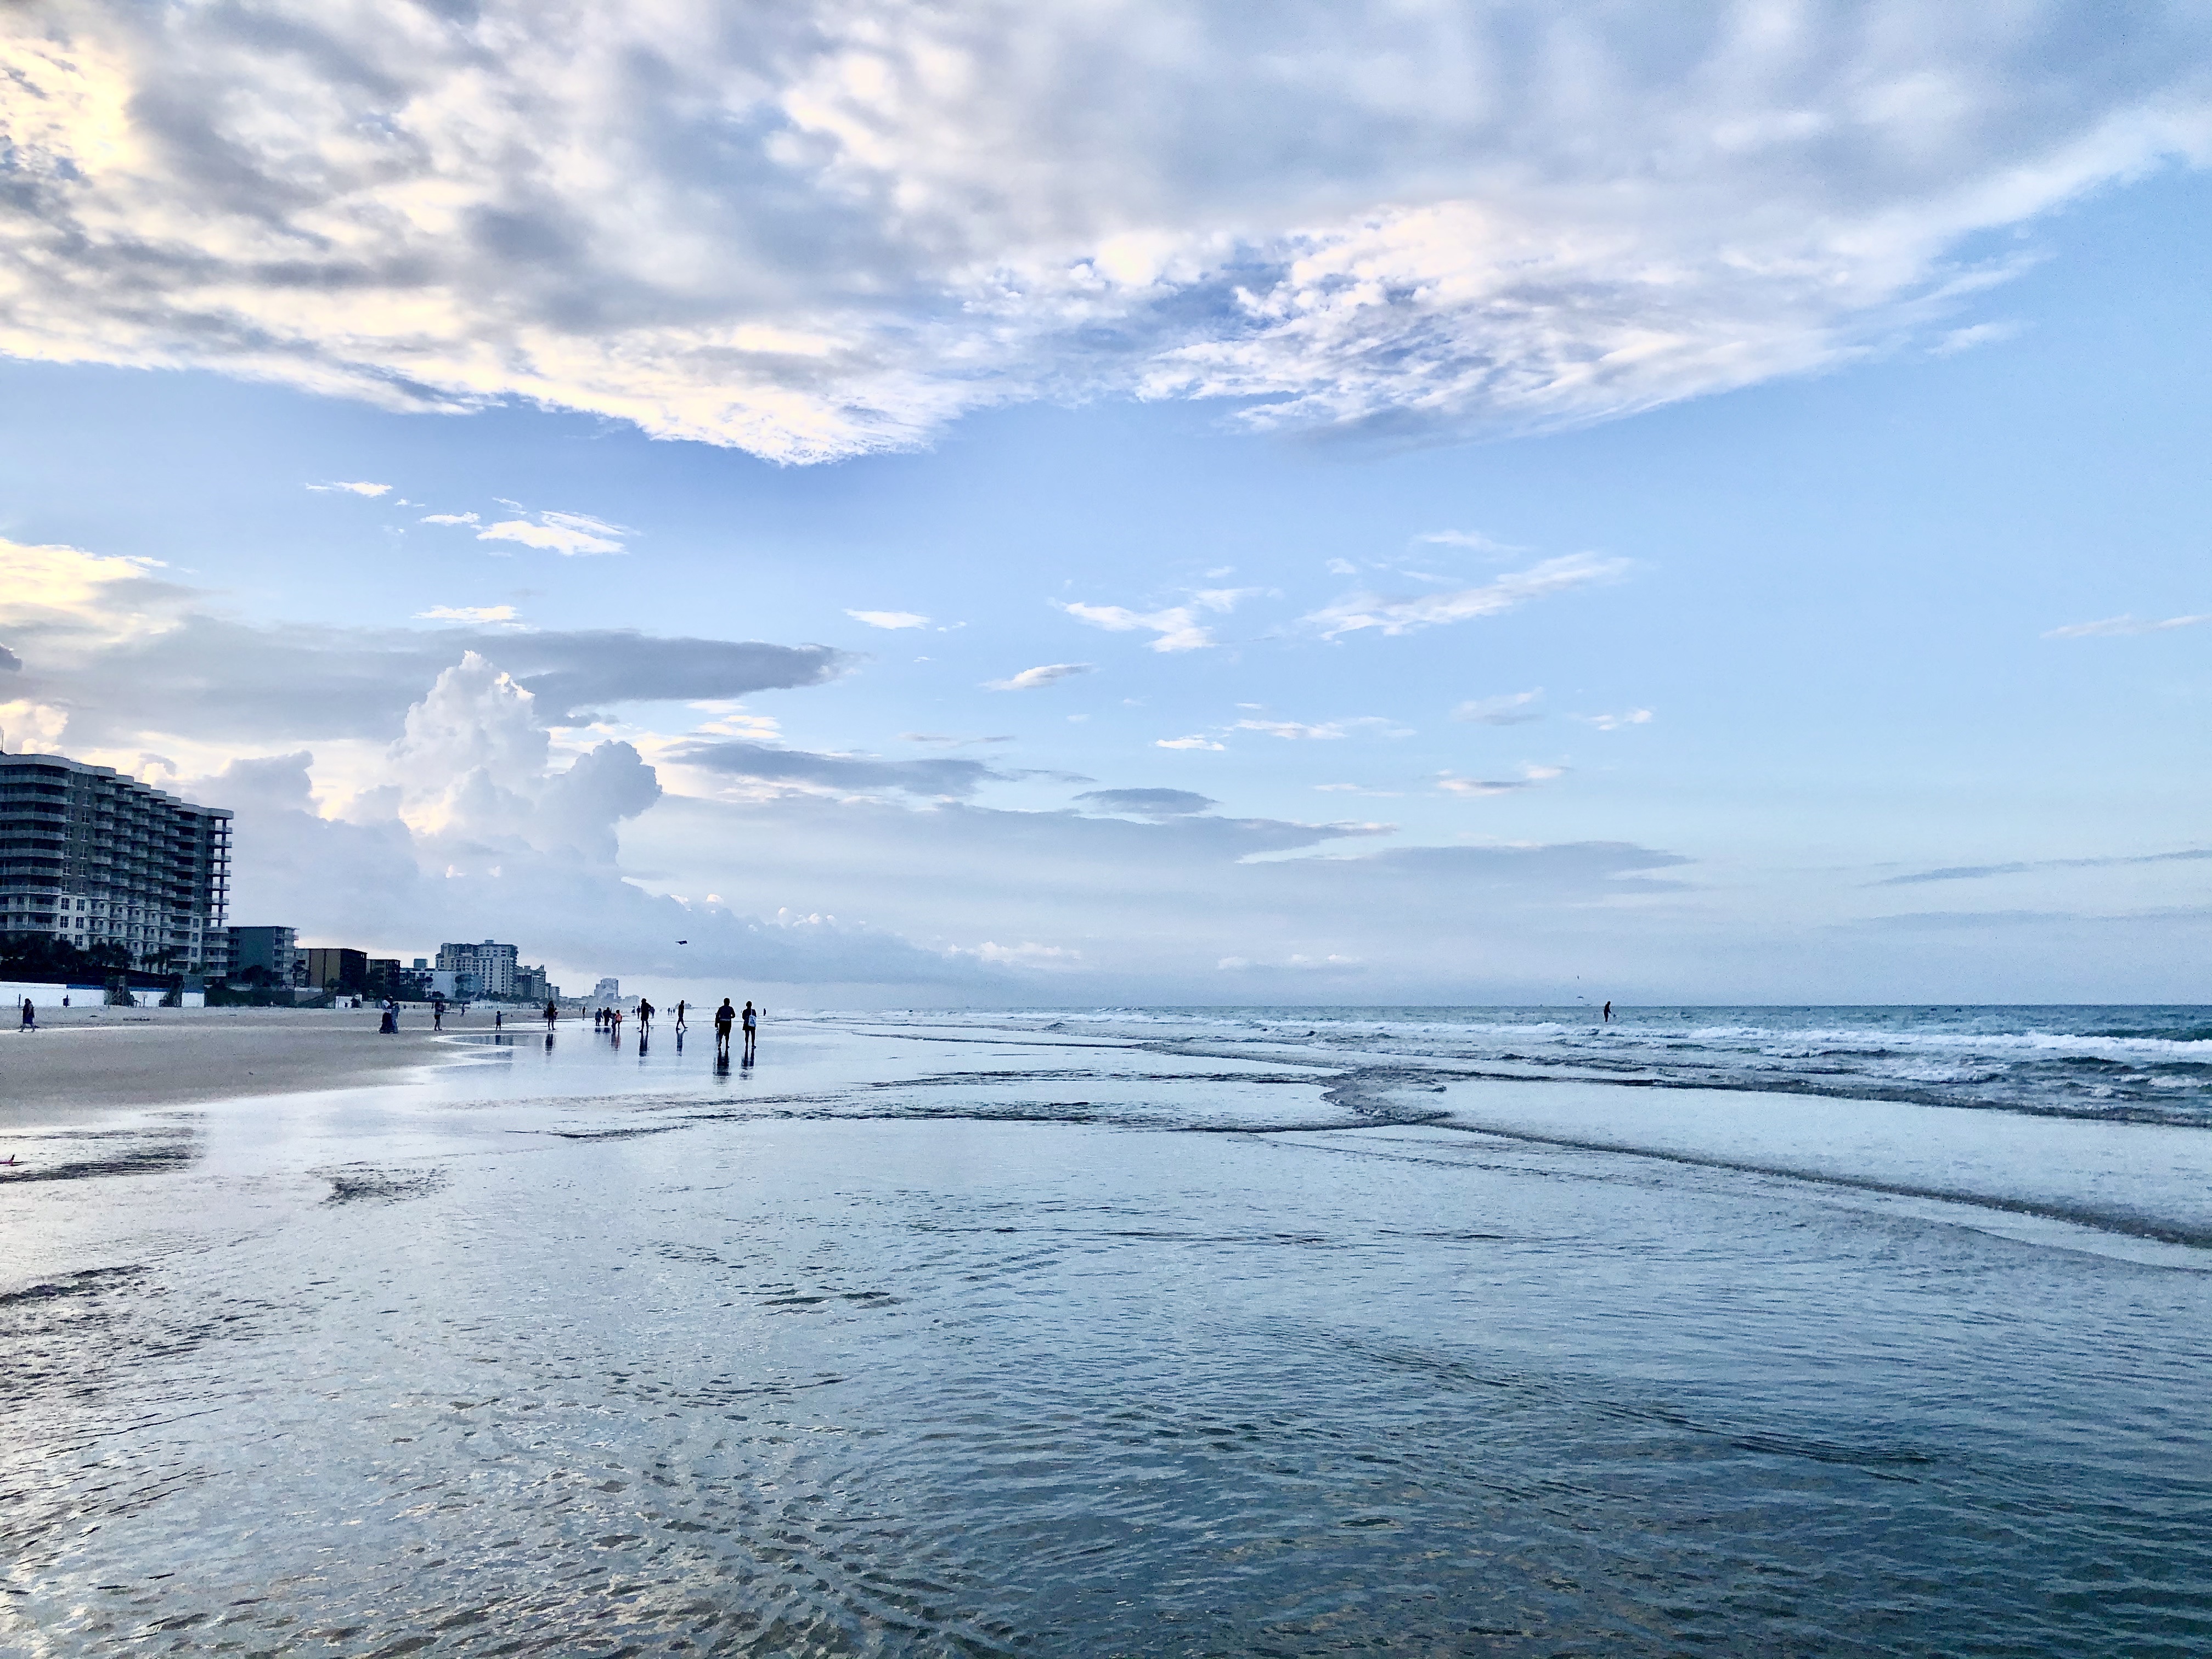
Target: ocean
{"x": 1269, "y": 1331}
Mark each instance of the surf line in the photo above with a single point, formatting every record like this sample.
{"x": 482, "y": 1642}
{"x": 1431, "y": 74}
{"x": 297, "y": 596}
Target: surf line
{"x": 2106, "y": 1221}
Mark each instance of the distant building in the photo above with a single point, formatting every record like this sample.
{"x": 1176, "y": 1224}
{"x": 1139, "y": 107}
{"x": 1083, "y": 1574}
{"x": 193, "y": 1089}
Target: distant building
{"x": 532, "y": 985}
{"x": 274, "y": 950}
{"x": 91, "y": 857}
{"x": 607, "y": 992}
{"x": 333, "y": 968}
{"x": 384, "y": 976}
{"x": 492, "y": 964}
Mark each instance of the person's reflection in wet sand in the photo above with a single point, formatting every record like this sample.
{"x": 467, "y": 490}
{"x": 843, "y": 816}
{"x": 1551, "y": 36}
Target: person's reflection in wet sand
{"x": 642, "y": 1049}
{"x": 721, "y": 1062}
{"x": 549, "y": 1042}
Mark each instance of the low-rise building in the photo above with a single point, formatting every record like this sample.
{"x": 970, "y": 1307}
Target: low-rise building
{"x": 333, "y": 968}
{"x": 274, "y": 950}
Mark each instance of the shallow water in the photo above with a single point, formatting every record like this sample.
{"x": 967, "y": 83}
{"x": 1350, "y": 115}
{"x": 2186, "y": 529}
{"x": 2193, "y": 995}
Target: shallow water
{"x": 1135, "y": 1337}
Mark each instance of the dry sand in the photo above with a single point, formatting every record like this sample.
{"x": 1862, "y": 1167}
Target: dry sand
{"x": 82, "y": 1059}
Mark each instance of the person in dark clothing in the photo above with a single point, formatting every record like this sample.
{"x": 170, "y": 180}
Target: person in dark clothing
{"x": 725, "y": 1016}
{"x": 752, "y": 1030}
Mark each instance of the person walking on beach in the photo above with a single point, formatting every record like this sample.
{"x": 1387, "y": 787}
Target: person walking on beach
{"x": 680, "y": 1006}
{"x": 499, "y": 1019}
{"x": 752, "y": 1030}
{"x": 723, "y": 1018}
{"x": 644, "y": 1012}
{"x": 552, "y": 1014}
{"x": 389, "y": 1025}
{"x": 30, "y": 1016}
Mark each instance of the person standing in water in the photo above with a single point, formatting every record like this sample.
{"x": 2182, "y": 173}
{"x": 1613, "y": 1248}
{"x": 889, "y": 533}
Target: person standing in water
{"x": 723, "y": 1018}
{"x": 552, "y": 1014}
{"x": 752, "y": 1030}
{"x": 644, "y": 1012}
{"x": 1608, "y": 1011}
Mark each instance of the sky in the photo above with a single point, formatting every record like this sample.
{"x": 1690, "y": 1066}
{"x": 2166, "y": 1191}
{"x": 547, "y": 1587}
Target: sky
{"x": 1148, "y": 504}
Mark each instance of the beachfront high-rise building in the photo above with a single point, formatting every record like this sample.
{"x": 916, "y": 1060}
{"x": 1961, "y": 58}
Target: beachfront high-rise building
{"x": 93, "y": 857}
{"x": 493, "y": 966}
{"x": 607, "y": 992}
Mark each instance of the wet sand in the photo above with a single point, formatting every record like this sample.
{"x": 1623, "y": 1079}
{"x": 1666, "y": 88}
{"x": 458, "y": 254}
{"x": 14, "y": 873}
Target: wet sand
{"x": 82, "y": 1059}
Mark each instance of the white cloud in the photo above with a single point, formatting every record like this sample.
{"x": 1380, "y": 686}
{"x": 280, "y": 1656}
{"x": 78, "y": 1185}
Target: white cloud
{"x": 1029, "y": 679}
{"x": 1192, "y": 742}
{"x": 1511, "y": 708}
{"x": 467, "y": 613}
{"x": 1474, "y": 540}
{"x": 2113, "y": 627}
{"x": 1615, "y": 722}
{"x": 1360, "y": 610}
{"x": 890, "y": 619}
{"x": 1178, "y": 627}
{"x": 1341, "y": 568}
{"x": 1530, "y": 778}
{"x": 28, "y": 728}
{"x": 1292, "y": 729}
{"x": 566, "y": 534}
{"x": 450, "y": 517}
{"x": 806, "y": 230}
{"x": 351, "y": 488}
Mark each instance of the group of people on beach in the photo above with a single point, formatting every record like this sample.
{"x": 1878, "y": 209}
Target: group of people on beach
{"x": 746, "y": 1023}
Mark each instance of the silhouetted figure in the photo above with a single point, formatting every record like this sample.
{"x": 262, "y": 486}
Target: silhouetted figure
{"x": 499, "y": 1019}
{"x": 644, "y": 1012}
{"x": 31, "y": 1016}
{"x": 1608, "y": 1011}
{"x": 389, "y": 1025}
{"x": 752, "y": 1030}
{"x": 680, "y": 1006}
{"x": 725, "y": 1016}
{"x": 552, "y": 1015}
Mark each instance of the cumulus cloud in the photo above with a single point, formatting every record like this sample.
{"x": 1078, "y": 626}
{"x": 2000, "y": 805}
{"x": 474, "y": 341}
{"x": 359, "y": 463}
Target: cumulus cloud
{"x": 568, "y": 533}
{"x": 1356, "y": 612}
{"x": 2113, "y": 627}
{"x": 819, "y": 229}
{"x": 890, "y": 619}
{"x": 1149, "y": 803}
{"x": 1510, "y": 708}
{"x": 1177, "y": 626}
{"x": 1032, "y": 679}
{"x": 351, "y": 488}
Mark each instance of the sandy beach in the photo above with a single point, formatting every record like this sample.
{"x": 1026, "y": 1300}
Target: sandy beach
{"x": 80, "y": 1059}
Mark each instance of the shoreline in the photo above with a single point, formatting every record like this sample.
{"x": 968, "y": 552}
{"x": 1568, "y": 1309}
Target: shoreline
{"x": 80, "y": 1061}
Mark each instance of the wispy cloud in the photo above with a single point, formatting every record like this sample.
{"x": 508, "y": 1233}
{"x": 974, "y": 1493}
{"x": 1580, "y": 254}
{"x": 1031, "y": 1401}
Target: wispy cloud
{"x": 893, "y": 619}
{"x": 1530, "y": 778}
{"x": 1177, "y": 626}
{"x": 1326, "y": 730}
{"x": 354, "y": 489}
{"x": 1615, "y": 722}
{"x": 467, "y": 613}
{"x": 1977, "y": 871}
{"x": 1194, "y": 741}
{"x": 1362, "y": 611}
{"x": 1154, "y": 804}
{"x": 947, "y": 740}
{"x": 2113, "y": 627}
{"x": 1512, "y": 708}
{"x": 1474, "y": 540}
{"x": 566, "y": 534}
{"x": 450, "y": 517}
{"x": 1044, "y": 674}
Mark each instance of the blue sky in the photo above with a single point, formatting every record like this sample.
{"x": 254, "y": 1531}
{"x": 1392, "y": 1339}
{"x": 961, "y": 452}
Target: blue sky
{"x": 1744, "y": 677}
